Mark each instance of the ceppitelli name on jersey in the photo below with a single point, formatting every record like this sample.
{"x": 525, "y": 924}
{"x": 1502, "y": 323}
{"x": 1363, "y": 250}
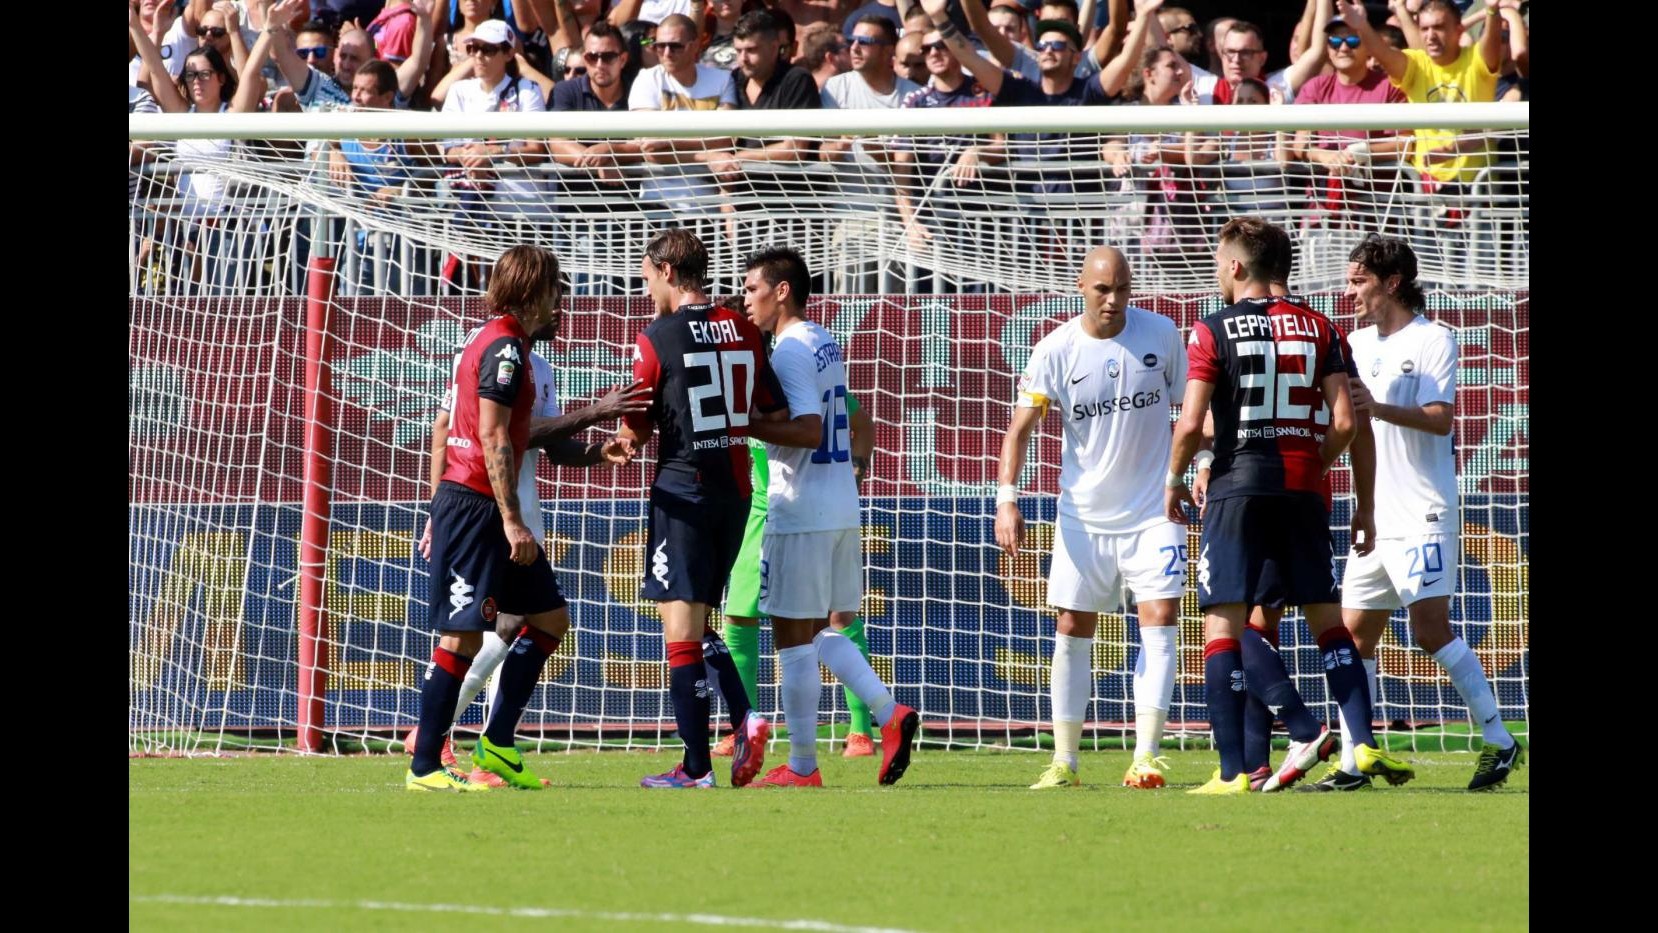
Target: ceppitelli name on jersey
{"x": 1244, "y": 326}
{"x": 1083, "y": 410}
{"x": 714, "y": 331}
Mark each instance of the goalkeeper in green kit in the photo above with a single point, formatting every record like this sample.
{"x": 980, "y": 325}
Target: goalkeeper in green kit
{"x": 742, "y": 603}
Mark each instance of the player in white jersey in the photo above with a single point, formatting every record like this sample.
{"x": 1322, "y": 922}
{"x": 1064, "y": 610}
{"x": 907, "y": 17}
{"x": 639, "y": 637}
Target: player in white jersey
{"x": 1407, "y": 384}
{"x": 1113, "y": 373}
{"x": 550, "y": 430}
{"x": 811, "y": 558}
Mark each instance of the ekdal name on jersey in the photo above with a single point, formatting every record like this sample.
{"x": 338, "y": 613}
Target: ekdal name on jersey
{"x": 714, "y": 331}
{"x": 1080, "y": 410}
{"x": 1278, "y": 325}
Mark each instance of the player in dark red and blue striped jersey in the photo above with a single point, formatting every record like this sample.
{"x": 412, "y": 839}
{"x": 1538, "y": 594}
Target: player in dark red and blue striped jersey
{"x": 707, "y": 368}
{"x": 1276, "y": 374}
{"x": 484, "y": 558}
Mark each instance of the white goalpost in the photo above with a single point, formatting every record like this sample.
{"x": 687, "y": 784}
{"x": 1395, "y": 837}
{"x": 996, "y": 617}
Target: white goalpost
{"x": 297, "y": 285}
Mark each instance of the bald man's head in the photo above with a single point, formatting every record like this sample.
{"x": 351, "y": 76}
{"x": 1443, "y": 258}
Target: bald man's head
{"x": 1106, "y": 285}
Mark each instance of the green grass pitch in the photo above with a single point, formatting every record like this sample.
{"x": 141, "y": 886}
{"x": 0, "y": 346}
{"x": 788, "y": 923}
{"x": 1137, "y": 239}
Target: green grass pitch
{"x": 283, "y": 842}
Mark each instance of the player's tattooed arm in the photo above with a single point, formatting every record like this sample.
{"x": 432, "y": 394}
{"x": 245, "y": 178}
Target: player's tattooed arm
{"x": 501, "y": 465}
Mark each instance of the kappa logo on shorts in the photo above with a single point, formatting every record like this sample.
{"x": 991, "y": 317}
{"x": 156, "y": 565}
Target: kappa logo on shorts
{"x": 1203, "y": 568}
{"x": 659, "y": 563}
{"x": 460, "y": 595}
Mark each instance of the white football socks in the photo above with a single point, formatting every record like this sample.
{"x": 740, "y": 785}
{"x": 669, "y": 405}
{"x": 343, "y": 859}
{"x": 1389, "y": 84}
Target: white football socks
{"x": 847, "y": 663}
{"x": 490, "y": 656}
{"x": 1069, "y": 685}
{"x": 1463, "y": 665}
{"x": 802, "y": 684}
{"x": 1153, "y": 687}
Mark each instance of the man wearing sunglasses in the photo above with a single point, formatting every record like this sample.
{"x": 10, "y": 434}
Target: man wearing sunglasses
{"x": 603, "y": 88}
{"x": 1352, "y": 82}
{"x": 872, "y": 83}
{"x": 679, "y": 83}
{"x": 995, "y": 29}
{"x": 302, "y": 63}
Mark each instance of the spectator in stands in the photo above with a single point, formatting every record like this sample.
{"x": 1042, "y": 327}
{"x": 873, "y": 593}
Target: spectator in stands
{"x": 378, "y": 168}
{"x": 317, "y": 90}
{"x": 1058, "y": 44}
{"x": 205, "y": 85}
{"x": 658, "y": 11}
{"x": 679, "y": 83}
{"x": 641, "y": 42}
{"x": 1160, "y": 165}
{"x": 314, "y": 44}
{"x": 1213, "y": 35}
{"x": 604, "y": 88}
{"x": 1514, "y": 77}
{"x": 824, "y": 52}
{"x": 809, "y": 12}
{"x": 1350, "y": 81}
{"x": 1244, "y": 55}
{"x": 1442, "y": 71}
{"x": 1015, "y": 57}
{"x": 909, "y": 61}
{"x": 1252, "y": 179}
{"x": 719, "y": 52}
{"x": 499, "y": 86}
{"x": 172, "y": 33}
{"x": 872, "y": 83}
{"x": 393, "y": 31}
{"x": 1185, "y": 36}
{"x": 220, "y": 29}
{"x": 916, "y": 161}
{"x": 885, "y": 9}
{"x": 762, "y": 81}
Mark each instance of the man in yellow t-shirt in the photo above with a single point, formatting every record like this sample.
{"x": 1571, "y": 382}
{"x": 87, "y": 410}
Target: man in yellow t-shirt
{"x": 1442, "y": 71}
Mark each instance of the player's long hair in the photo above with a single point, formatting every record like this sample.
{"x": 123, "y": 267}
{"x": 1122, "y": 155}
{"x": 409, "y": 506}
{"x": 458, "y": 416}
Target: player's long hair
{"x": 521, "y": 277}
{"x": 683, "y": 252}
{"x": 1386, "y": 257}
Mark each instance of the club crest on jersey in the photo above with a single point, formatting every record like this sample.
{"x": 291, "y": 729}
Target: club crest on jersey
{"x": 1150, "y": 359}
{"x": 1112, "y": 369}
{"x": 503, "y": 373}
{"x": 1407, "y": 366}
{"x": 1376, "y": 367}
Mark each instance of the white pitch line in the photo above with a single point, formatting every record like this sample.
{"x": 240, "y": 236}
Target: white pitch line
{"x": 714, "y": 920}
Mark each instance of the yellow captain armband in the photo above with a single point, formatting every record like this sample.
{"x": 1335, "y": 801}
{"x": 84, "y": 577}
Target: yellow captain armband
{"x": 1034, "y": 400}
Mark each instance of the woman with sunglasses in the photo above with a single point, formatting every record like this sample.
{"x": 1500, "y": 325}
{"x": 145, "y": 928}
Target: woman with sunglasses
{"x": 205, "y": 85}
{"x": 498, "y": 86}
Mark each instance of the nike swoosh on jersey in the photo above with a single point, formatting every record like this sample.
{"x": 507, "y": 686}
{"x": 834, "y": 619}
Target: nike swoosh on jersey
{"x": 1430, "y": 582}
{"x": 1079, "y": 379}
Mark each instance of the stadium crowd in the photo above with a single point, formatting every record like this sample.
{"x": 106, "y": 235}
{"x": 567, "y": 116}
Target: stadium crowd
{"x": 587, "y": 55}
